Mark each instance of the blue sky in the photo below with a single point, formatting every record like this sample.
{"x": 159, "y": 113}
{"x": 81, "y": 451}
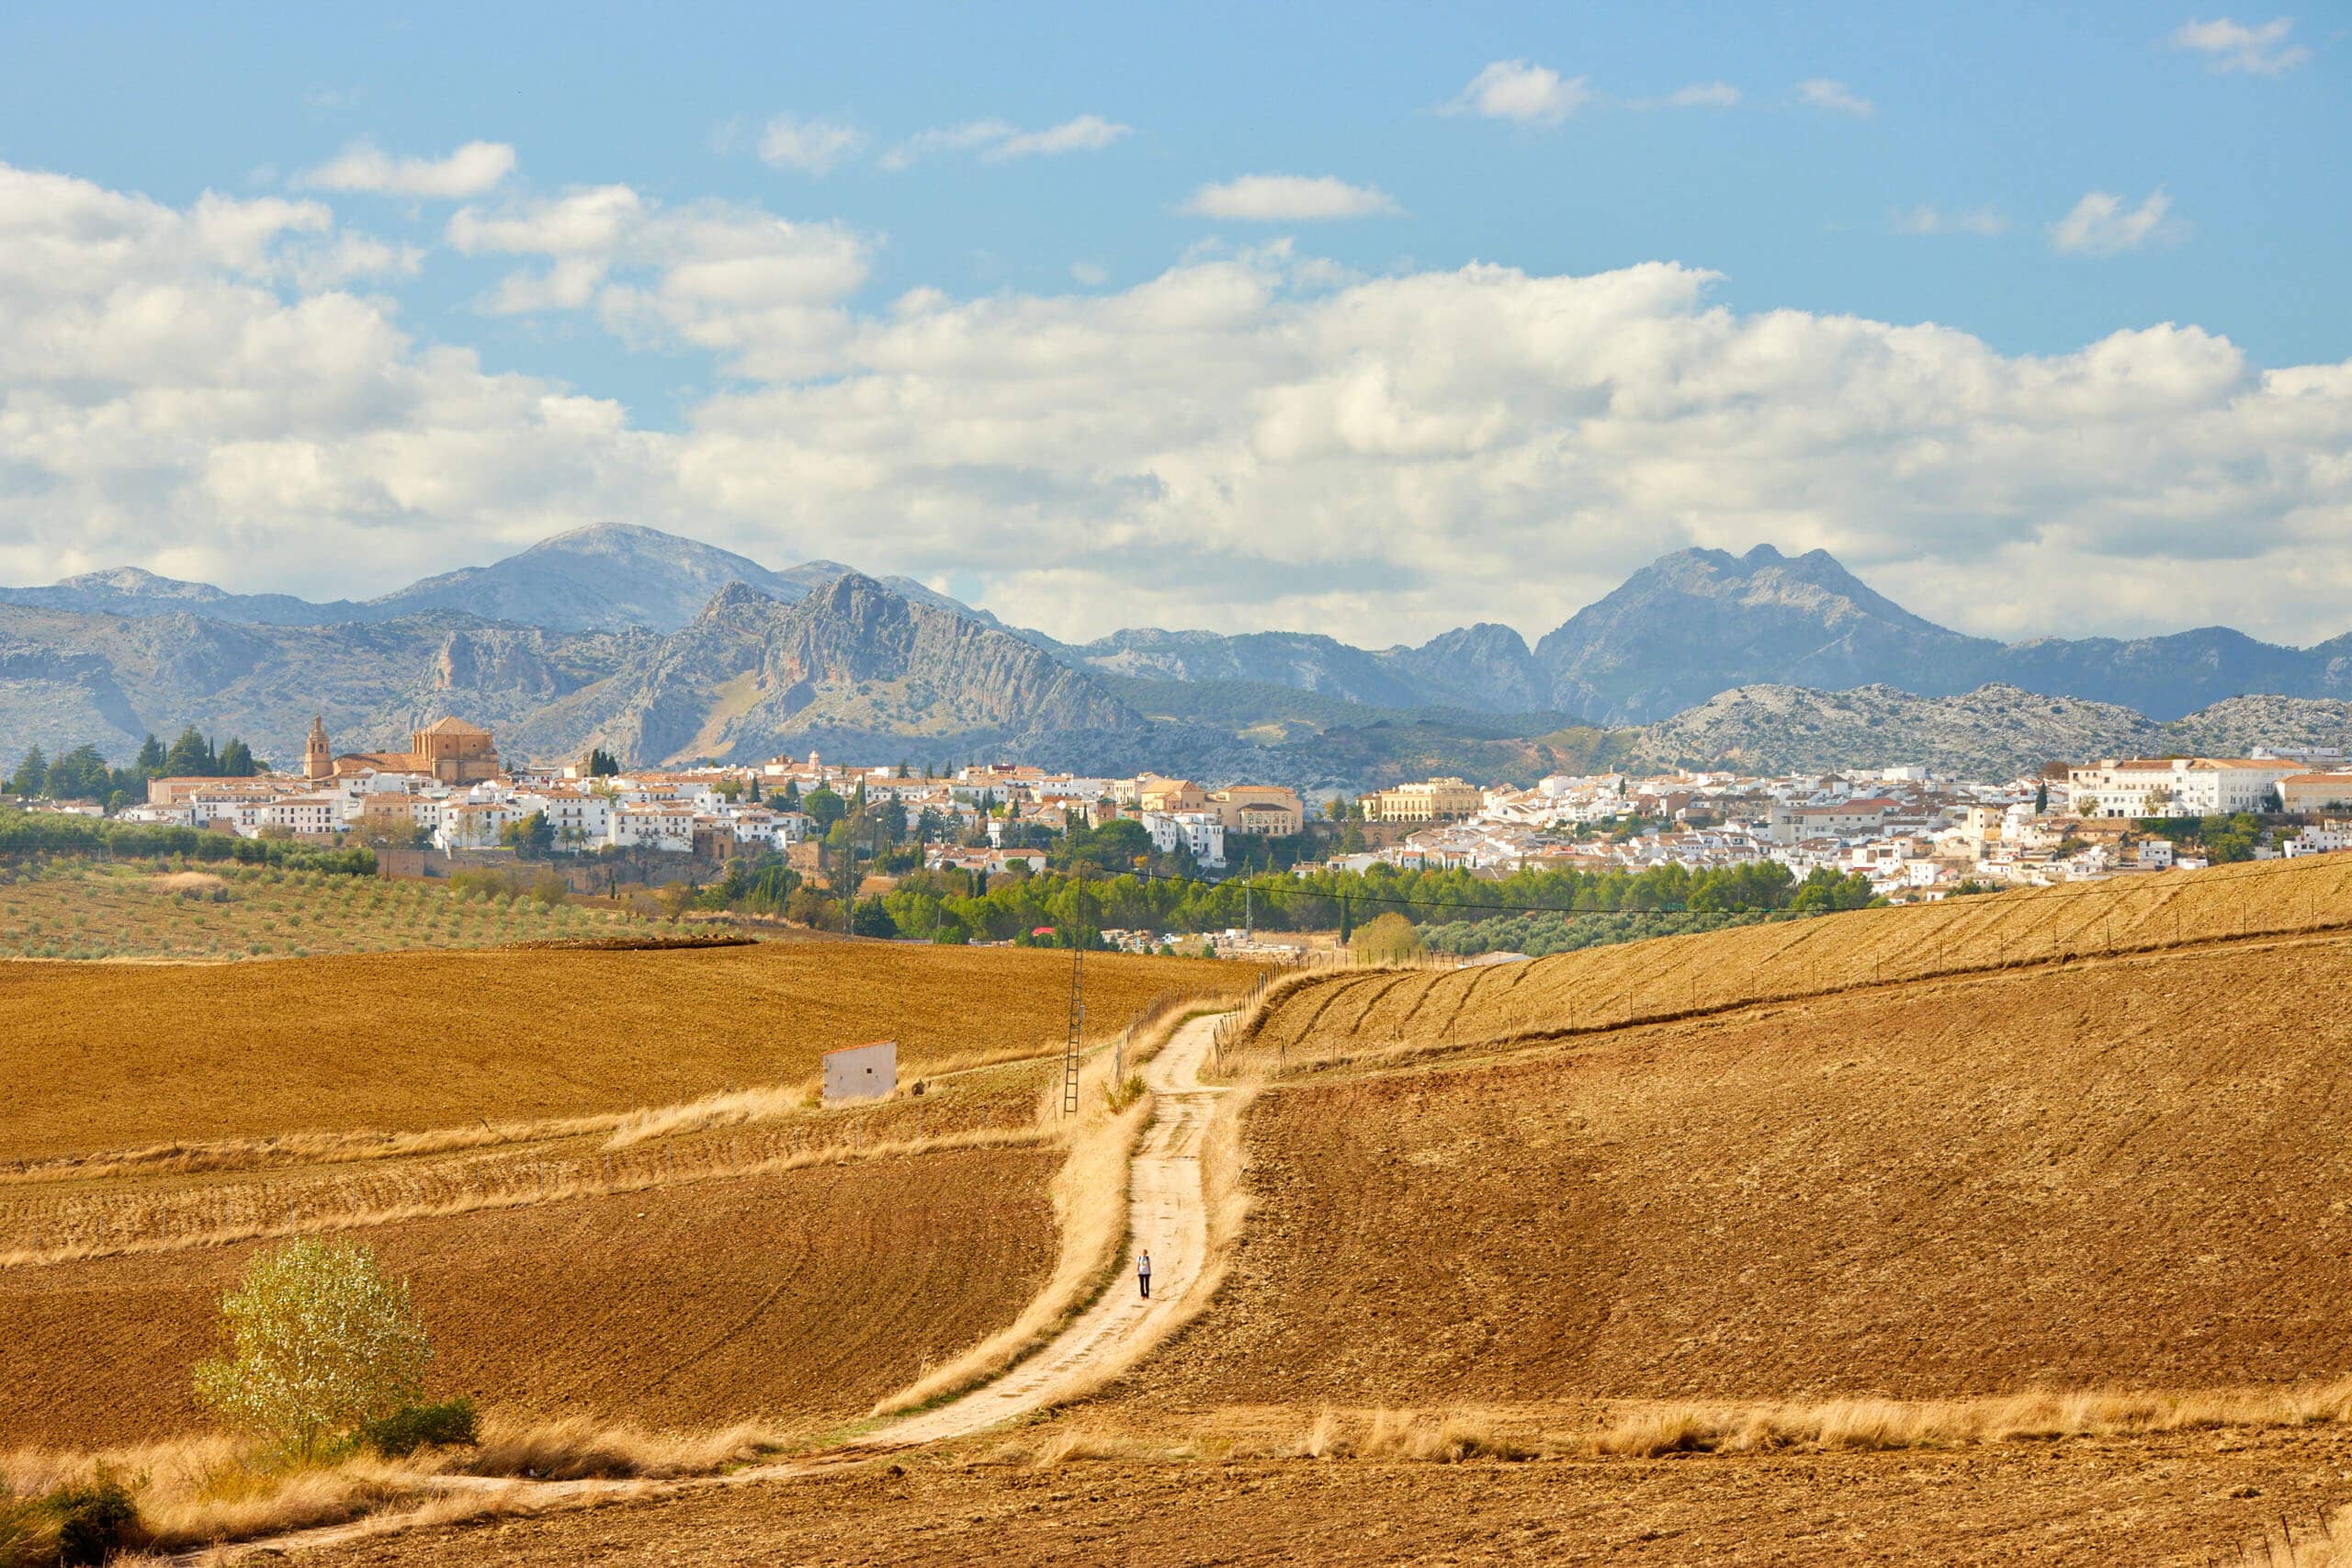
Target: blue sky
{"x": 1900, "y": 166}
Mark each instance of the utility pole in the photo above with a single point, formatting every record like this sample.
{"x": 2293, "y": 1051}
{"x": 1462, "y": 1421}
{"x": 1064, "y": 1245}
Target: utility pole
{"x": 1077, "y": 997}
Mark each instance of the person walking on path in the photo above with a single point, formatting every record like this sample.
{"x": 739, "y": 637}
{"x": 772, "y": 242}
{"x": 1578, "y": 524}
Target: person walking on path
{"x": 1143, "y": 1274}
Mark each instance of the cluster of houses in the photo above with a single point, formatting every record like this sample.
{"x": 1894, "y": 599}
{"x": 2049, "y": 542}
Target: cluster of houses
{"x": 1910, "y": 832}
{"x": 450, "y": 790}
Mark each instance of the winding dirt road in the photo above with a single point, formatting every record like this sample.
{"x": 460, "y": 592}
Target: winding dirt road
{"x": 1166, "y": 1216}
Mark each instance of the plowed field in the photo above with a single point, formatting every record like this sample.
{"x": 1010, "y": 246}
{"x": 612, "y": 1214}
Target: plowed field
{"x": 798, "y": 1298}
{"x": 2117, "y": 1172}
{"x": 2177, "y": 1501}
{"x": 108, "y": 1057}
{"x": 1672, "y": 976}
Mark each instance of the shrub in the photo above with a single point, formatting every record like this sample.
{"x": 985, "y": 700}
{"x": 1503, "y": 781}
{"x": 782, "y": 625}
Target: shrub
{"x": 321, "y": 1344}
{"x": 413, "y": 1426}
{"x": 69, "y": 1526}
{"x": 1391, "y": 939}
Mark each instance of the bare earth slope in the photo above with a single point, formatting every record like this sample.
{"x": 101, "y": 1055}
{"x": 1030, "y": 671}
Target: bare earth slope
{"x": 2110, "y": 1171}
{"x": 798, "y": 1298}
{"x": 110, "y": 1057}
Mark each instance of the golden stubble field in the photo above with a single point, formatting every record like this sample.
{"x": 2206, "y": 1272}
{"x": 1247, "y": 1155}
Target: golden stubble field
{"x": 114, "y": 1056}
{"x": 1364, "y": 1013}
{"x": 2129, "y": 1172}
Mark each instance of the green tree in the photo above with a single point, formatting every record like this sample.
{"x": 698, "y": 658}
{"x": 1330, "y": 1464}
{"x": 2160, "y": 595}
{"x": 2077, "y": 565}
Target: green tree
{"x": 530, "y": 838}
{"x": 80, "y": 775}
{"x": 601, "y": 765}
{"x": 318, "y": 1345}
{"x": 32, "y": 776}
{"x": 191, "y": 756}
{"x": 236, "y": 761}
{"x": 149, "y": 763}
{"x": 824, "y": 807}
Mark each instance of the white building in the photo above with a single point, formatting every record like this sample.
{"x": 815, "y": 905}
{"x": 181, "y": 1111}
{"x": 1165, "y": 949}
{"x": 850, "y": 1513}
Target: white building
{"x": 2175, "y": 787}
{"x": 1203, "y": 832}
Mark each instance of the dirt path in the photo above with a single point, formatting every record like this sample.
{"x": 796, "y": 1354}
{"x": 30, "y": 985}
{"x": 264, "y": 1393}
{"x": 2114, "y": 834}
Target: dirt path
{"x": 1167, "y": 1215}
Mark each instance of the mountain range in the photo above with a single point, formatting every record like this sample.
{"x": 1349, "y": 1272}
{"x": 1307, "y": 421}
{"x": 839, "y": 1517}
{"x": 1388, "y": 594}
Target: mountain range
{"x": 662, "y": 649}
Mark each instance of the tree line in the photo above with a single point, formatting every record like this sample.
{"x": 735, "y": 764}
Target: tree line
{"x": 955, "y": 906}
{"x": 60, "y": 833}
{"x": 83, "y": 772}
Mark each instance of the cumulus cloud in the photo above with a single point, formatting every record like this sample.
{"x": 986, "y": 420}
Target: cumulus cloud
{"x": 1984, "y": 222}
{"x": 736, "y": 280}
{"x": 2101, "y": 225}
{"x": 1522, "y": 91}
{"x": 995, "y": 141}
{"x": 1251, "y": 438}
{"x": 1835, "y": 97}
{"x": 1289, "y": 199}
{"x": 811, "y": 146}
{"x": 2233, "y": 46}
{"x": 472, "y": 170}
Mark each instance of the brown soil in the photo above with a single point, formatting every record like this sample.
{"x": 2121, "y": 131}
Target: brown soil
{"x": 112, "y": 1057}
{"x": 2084, "y": 1502}
{"x": 1678, "y": 976}
{"x": 799, "y": 1298}
{"x": 2117, "y": 1172}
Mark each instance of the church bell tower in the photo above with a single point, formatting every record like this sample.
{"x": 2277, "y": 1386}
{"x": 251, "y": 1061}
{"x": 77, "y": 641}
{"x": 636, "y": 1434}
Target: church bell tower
{"x": 318, "y": 763}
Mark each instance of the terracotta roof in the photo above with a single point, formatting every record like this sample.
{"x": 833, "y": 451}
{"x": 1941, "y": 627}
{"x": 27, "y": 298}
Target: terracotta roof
{"x": 452, "y": 727}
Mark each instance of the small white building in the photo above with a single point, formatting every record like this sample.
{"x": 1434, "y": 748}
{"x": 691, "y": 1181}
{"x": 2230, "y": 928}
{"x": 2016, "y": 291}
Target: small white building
{"x": 861, "y": 1072}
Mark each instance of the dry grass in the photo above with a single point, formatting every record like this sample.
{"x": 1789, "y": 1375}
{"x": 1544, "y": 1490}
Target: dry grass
{"x": 1351, "y": 1016}
{"x": 1643, "y": 1430}
{"x": 201, "y": 1490}
{"x": 527, "y": 1187}
{"x": 577, "y": 1447}
{"x": 736, "y": 1109}
{"x": 309, "y": 1149}
{"x": 1089, "y": 1196}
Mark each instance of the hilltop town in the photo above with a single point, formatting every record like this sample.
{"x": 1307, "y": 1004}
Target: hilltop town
{"x": 1910, "y": 832}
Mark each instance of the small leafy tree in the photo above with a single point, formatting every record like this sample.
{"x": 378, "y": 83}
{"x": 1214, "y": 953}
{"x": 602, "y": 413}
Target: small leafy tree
{"x": 1390, "y": 938}
{"x": 319, "y": 1344}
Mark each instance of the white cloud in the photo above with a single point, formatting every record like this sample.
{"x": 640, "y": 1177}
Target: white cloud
{"x": 1835, "y": 97}
{"x": 2101, "y": 225}
{"x": 1289, "y": 199}
{"x": 758, "y": 290}
{"x": 2233, "y": 46}
{"x": 1092, "y": 274}
{"x": 1247, "y": 439}
{"x": 812, "y": 146}
{"x": 1523, "y": 91}
{"x": 1704, "y": 95}
{"x": 472, "y": 170}
{"x": 1985, "y": 221}
{"x": 996, "y": 142}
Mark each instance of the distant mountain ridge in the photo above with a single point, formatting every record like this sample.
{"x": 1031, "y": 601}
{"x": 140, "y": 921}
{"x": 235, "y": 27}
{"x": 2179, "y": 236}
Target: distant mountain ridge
{"x": 1674, "y": 634}
{"x": 605, "y": 576}
{"x": 861, "y": 670}
{"x": 1699, "y": 621}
